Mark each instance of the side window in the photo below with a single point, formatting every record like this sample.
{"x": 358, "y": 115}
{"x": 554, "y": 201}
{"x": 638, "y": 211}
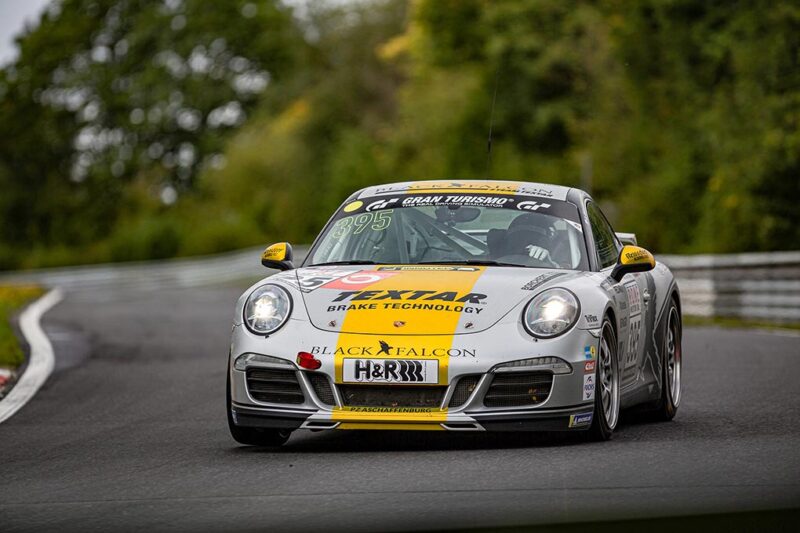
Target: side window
{"x": 604, "y": 239}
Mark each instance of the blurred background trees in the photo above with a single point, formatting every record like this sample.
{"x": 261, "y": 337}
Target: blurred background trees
{"x": 135, "y": 129}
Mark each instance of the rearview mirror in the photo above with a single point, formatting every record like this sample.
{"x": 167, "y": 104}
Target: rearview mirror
{"x": 632, "y": 259}
{"x": 278, "y": 256}
{"x": 461, "y": 214}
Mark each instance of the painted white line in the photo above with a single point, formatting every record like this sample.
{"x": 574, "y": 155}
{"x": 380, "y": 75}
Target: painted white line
{"x": 40, "y": 363}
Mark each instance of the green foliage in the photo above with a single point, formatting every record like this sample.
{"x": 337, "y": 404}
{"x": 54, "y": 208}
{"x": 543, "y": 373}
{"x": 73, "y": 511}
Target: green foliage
{"x": 106, "y": 93}
{"x": 681, "y": 116}
{"x": 12, "y": 299}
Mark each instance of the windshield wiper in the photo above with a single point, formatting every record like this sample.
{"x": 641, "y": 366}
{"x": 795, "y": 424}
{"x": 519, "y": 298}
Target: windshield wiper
{"x": 349, "y": 262}
{"x": 479, "y": 262}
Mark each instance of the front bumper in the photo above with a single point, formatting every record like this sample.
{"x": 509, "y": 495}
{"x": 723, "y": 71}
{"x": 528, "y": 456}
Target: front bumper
{"x": 566, "y": 407}
{"x": 518, "y": 420}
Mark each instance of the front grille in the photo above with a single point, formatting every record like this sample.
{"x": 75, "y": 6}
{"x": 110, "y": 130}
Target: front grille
{"x": 518, "y": 388}
{"x": 463, "y": 390}
{"x": 391, "y": 396}
{"x": 322, "y": 387}
{"x": 274, "y": 386}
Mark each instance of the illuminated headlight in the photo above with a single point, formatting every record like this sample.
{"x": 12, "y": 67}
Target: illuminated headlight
{"x": 245, "y": 360}
{"x": 266, "y": 309}
{"x": 551, "y": 313}
{"x": 553, "y": 364}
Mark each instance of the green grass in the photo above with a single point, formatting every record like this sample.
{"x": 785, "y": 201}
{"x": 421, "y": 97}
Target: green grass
{"x": 730, "y": 322}
{"x": 12, "y": 299}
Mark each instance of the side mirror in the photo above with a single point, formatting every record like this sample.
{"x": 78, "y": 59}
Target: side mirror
{"x": 632, "y": 259}
{"x": 278, "y": 256}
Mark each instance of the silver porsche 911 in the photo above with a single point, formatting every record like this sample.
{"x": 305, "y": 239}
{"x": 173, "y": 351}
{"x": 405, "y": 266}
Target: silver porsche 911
{"x": 461, "y": 306}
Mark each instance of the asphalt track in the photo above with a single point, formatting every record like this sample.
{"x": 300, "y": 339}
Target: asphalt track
{"x": 129, "y": 433}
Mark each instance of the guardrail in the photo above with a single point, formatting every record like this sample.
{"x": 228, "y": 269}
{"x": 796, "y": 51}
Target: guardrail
{"x": 754, "y": 286}
{"x": 757, "y": 286}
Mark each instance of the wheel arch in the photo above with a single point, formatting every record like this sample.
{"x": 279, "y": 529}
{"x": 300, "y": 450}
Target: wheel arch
{"x": 675, "y": 295}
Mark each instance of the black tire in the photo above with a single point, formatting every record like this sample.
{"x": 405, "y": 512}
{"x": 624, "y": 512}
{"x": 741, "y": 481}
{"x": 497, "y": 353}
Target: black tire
{"x": 666, "y": 406}
{"x": 606, "y": 415}
{"x": 253, "y": 436}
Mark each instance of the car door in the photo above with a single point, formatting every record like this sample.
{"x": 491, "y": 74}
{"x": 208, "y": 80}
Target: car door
{"x": 630, "y": 294}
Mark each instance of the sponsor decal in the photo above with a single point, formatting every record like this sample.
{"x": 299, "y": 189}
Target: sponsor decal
{"x": 359, "y": 280}
{"x": 589, "y": 352}
{"x": 384, "y": 349}
{"x": 589, "y": 366}
{"x": 409, "y": 410}
{"x": 411, "y": 294}
{"x": 469, "y": 325}
{"x": 536, "y": 191}
{"x": 352, "y": 206}
{"x": 405, "y": 307}
{"x": 632, "y": 254}
{"x": 332, "y": 324}
{"x": 456, "y": 199}
{"x": 414, "y": 300}
{"x": 588, "y": 387}
{"x": 581, "y": 419}
{"x": 539, "y": 280}
{"x": 530, "y": 205}
{"x": 382, "y": 204}
{"x": 591, "y": 320}
{"x": 391, "y": 371}
{"x": 308, "y": 279}
{"x": 634, "y": 298}
{"x": 399, "y": 323}
{"x": 497, "y": 187}
{"x": 276, "y": 252}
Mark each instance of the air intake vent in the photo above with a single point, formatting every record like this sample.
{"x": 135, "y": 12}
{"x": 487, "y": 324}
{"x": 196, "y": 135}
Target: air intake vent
{"x": 391, "y": 396}
{"x": 518, "y": 388}
{"x": 322, "y": 387}
{"x": 274, "y": 386}
{"x": 463, "y": 390}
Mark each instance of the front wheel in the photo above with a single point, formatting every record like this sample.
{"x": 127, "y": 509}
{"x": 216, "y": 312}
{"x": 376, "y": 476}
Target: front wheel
{"x": 606, "y": 397}
{"x": 253, "y": 436}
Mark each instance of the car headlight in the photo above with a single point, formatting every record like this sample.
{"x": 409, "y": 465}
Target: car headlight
{"x": 551, "y": 313}
{"x": 267, "y": 309}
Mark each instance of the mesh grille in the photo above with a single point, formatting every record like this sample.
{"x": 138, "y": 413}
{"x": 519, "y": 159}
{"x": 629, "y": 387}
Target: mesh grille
{"x": 322, "y": 387}
{"x": 391, "y": 396}
{"x": 518, "y": 388}
{"x": 463, "y": 389}
{"x": 274, "y": 386}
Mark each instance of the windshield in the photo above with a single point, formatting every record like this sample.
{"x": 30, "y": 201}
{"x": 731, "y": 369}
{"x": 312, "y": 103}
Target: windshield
{"x": 465, "y": 228}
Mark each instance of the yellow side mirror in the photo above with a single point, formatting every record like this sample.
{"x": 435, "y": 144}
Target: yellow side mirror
{"x": 633, "y": 259}
{"x": 278, "y": 256}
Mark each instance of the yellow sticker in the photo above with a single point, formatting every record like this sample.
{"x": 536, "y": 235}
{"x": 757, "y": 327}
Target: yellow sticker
{"x": 352, "y": 206}
{"x": 276, "y": 252}
{"x": 633, "y": 255}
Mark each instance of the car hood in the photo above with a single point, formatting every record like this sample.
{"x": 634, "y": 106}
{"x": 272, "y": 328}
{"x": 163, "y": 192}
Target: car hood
{"x": 416, "y": 300}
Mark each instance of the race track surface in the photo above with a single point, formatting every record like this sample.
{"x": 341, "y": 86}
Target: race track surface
{"x": 129, "y": 433}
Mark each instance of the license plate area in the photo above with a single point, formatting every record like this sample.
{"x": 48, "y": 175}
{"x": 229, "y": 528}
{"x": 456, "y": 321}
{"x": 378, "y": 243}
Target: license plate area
{"x": 400, "y": 371}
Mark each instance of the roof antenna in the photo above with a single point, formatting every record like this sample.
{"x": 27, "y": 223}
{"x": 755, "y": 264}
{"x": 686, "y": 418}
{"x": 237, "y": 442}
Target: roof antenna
{"x": 491, "y": 123}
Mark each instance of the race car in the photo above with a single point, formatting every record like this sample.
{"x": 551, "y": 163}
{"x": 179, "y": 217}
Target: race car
{"x": 460, "y": 306}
